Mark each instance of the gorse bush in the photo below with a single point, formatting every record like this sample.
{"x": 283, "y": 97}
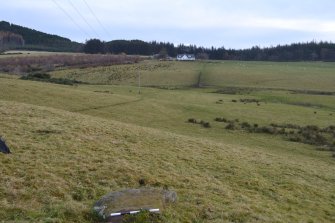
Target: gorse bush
{"x": 206, "y": 124}
{"x": 245, "y": 125}
{"x": 200, "y": 122}
{"x": 234, "y": 90}
{"x": 38, "y": 75}
{"x": 44, "y": 77}
{"x": 192, "y": 120}
{"x": 220, "y": 119}
{"x": 310, "y": 134}
{"x": 267, "y": 129}
{"x": 231, "y": 126}
{"x": 248, "y": 100}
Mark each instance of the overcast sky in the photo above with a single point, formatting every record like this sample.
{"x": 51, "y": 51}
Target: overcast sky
{"x": 228, "y": 23}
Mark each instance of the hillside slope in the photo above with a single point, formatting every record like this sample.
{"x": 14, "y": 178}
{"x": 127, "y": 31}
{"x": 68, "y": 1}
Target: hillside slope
{"x": 63, "y": 161}
{"x": 71, "y": 151}
{"x": 36, "y": 40}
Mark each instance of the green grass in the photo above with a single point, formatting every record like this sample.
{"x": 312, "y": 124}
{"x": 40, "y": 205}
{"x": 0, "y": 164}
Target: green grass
{"x": 73, "y": 144}
{"x": 290, "y": 75}
{"x": 153, "y": 73}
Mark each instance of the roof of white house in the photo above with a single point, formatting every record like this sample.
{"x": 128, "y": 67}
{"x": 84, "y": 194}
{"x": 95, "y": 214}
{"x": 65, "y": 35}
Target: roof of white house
{"x": 186, "y": 57}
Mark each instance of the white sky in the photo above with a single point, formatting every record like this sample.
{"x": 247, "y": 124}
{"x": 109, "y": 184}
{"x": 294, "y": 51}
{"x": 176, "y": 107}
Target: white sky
{"x": 228, "y": 23}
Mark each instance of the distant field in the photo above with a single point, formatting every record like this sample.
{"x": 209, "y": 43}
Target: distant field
{"x": 153, "y": 73}
{"x": 291, "y": 75}
{"x": 299, "y": 75}
{"x": 72, "y": 144}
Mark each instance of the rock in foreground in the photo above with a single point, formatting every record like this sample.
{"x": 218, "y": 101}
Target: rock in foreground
{"x": 131, "y": 201}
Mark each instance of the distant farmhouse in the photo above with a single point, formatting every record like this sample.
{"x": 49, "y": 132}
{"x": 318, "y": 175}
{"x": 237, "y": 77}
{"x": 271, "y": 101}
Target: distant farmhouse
{"x": 185, "y": 57}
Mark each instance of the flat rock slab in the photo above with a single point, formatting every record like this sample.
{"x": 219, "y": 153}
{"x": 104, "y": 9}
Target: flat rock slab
{"x": 129, "y": 200}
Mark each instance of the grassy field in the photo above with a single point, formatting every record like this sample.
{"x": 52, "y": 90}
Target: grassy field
{"x": 153, "y": 73}
{"x": 290, "y": 75}
{"x": 73, "y": 144}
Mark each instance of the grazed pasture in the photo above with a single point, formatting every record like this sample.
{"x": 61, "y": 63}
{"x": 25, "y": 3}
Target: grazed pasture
{"x": 72, "y": 144}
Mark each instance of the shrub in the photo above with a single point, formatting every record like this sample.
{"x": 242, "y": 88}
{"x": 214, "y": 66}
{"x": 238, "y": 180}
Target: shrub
{"x": 323, "y": 148}
{"x": 220, "y": 119}
{"x": 192, "y": 120}
{"x": 331, "y": 128}
{"x": 319, "y": 139}
{"x": 234, "y": 100}
{"x": 310, "y": 134}
{"x": 245, "y": 125}
{"x": 39, "y": 75}
{"x": 268, "y": 130}
{"x": 47, "y": 78}
{"x": 248, "y": 100}
{"x": 206, "y": 124}
{"x": 231, "y": 126}
{"x": 234, "y": 90}
{"x": 282, "y": 131}
{"x": 295, "y": 138}
{"x": 142, "y": 182}
{"x": 312, "y": 128}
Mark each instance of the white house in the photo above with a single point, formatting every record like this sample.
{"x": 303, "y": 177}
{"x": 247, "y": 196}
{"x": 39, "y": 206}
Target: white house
{"x": 186, "y": 57}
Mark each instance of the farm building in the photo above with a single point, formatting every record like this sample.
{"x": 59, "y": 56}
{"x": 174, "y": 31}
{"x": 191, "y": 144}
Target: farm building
{"x": 185, "y": 57}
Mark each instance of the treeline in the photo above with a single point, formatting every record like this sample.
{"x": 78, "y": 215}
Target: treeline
{"x": 131, "y": 47}
{"x": 311, "y": 51}
{"x": 36, "y": 40}
{"x": 18, "y": 37}
{"x": 10, "y": 40}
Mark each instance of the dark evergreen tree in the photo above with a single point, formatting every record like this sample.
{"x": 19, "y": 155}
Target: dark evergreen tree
{"x": 10, "y": 40}
{"x": 35, "y": 40}
{"x": 94, "y": 46}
